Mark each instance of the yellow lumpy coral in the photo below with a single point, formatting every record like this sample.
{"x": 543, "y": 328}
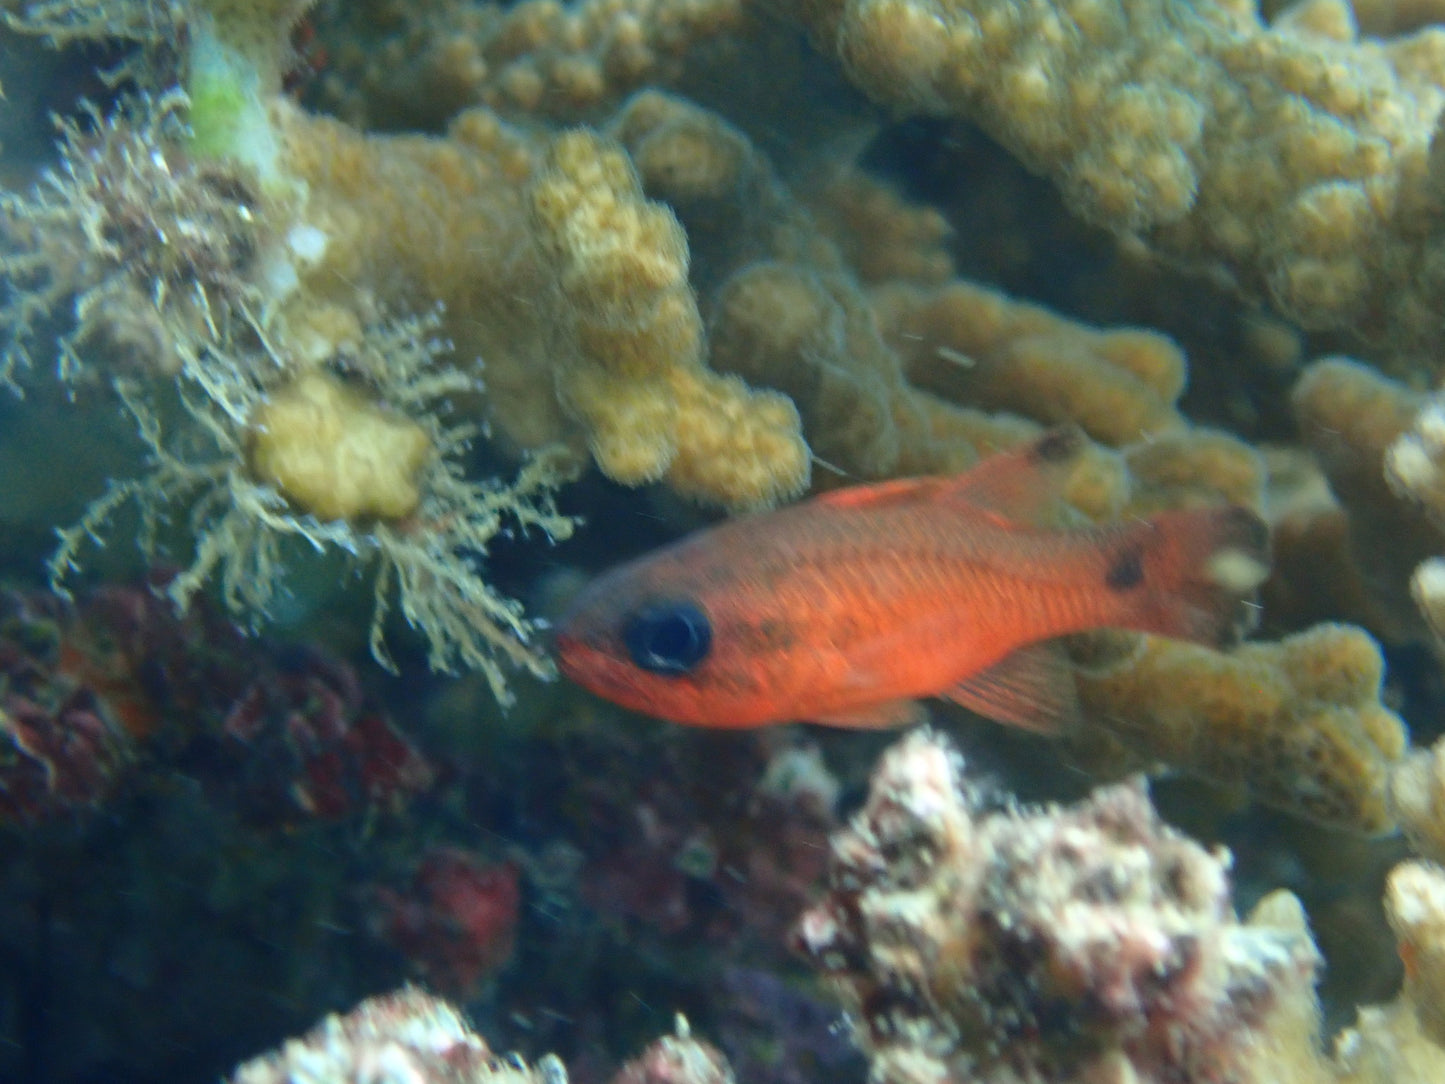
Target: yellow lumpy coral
{"x": 335, "y": 454}
{"x": 609, "y": 344}
{"x": 1299, "y": 722}
{"x": 1404, "y": 1039}
{"x": 975, "y": 345}
{"x": 1293, "y": 157}
{"x": 1417, "y": 794}
{"x": 1353, "y": 418}
{"x": 650, "y": 407}
{"x": 1415, "y": 903}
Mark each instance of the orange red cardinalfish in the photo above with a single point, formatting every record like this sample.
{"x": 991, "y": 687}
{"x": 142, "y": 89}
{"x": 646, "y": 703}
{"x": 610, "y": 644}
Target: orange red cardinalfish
{"x": 847, "y": 608}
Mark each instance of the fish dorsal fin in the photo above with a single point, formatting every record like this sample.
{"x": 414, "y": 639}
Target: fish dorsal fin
{"x": 1032, "y": 688}
{"x": 882, "y": 494}
{"x": 1014, "y": 486}
{"x": 1020, "y": 485}
{"x": 879, "y": 715}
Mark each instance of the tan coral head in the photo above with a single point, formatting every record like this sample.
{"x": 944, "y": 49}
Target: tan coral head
{"x": 336, "y": 455}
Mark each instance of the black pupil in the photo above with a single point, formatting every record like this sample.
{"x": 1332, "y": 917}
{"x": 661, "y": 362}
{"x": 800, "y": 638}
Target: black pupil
{"x": 668, "y": 637}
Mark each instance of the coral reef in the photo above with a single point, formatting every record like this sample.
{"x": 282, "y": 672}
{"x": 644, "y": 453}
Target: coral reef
{"x": 1403, "y": 1040}
{"x": 222, "y": 805}
{"x": 409, "y": 1037}
{"x": 1417, "y": 796}
{"x": 1267, "y": 716}
{"x": 412, "y": 1037}
{"x": 1267, "y": 153}
{"x": 677, "y": 1059}
{"x": 456, "y": 922}
{"x": 372, "y": 282}
{"x": 254, "y": 465}
{"x": 1415, "y": 902}
{"x": 63, "y": 751}
{"x": 1087, "y": 943}
{"x": 258, "y": 401}
{"x": 1351, "y": 417}
{"x": 650, "y": 408}
{"x": 114, "y": 692}
{"x": 1052, "y": 945}
{"x": 967, "y": 344}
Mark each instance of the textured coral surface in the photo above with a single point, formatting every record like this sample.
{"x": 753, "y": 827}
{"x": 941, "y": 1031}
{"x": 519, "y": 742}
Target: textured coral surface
{"x": 342, "y": 343}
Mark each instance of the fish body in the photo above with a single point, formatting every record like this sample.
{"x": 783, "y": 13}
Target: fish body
{"x": 848, "y": 608}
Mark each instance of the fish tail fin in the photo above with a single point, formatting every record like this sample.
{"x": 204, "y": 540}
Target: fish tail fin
{"x": 1192, "y": 574}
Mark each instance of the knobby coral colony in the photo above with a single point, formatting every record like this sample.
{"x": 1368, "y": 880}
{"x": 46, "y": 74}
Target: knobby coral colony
{"x": 677, "y": 272}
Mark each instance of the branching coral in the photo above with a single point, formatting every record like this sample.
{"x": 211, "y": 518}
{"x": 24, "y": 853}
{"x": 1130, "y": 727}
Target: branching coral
{"x": 1298, "y": 722}
{"x": 968, "y": 344}
{"x": 903, "y": 377}
{"x": 341, "y": 220}
{"x": 1372, "y": 438}
{"x": 537, "y": 57}
{"x": 1405, "y": 1039}
{"x": 650, "y": 407}
{"x": 1415, "y": 471}
{"x": 564, "y": 279}
{"x": 784, "y": 309}
{"x": 1294, "y": 158}
{"x": 1417, "y": 798}
{"x": 1415, "y": 903}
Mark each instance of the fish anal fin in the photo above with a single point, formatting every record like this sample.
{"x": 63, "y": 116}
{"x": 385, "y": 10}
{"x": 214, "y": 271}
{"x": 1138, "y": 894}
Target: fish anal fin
{"x": 1032, "y": 688}
{"x": 1008, "y": 487}
{"x": 878, "y": 715}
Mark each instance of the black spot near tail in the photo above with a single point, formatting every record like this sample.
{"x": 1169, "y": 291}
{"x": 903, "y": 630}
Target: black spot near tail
{"x": 1127, "y": 570}
{"x": 1058, "y": 445}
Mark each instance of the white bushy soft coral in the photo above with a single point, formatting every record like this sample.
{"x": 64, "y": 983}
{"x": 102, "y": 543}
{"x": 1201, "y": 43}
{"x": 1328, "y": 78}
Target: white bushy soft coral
{"x": 152, "y": 22}
{"x": 240, "y": 521}
{"x": 165, "y": 253}
{"x": 133, "y": 246}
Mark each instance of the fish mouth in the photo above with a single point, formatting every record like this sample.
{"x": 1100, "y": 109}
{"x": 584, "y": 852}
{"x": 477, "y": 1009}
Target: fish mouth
{"x": 564, "y": 647}
{"x": 596, "y": 670}
{"x": 578, "y": 661}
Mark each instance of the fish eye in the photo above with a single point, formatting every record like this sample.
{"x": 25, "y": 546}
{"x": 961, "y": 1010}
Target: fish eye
{"x": 668, "y": 637}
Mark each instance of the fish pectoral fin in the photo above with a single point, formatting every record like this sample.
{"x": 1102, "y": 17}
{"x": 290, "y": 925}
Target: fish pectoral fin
{"x": 1032, "y": 688}
{"x": 878, "y": 715}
